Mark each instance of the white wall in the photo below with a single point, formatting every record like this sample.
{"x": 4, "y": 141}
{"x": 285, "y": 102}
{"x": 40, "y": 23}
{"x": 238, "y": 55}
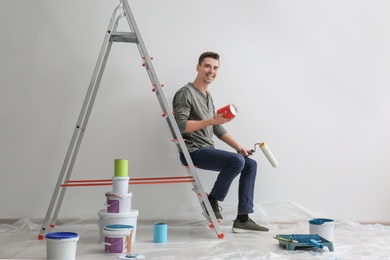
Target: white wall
{"x": 311, "y": 78}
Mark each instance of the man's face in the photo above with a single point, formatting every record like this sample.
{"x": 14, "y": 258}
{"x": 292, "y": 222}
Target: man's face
{"x": 208, "y": 70}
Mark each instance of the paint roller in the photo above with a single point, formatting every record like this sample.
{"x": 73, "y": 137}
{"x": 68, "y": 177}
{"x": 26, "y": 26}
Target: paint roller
{"x": 313, "y": 240}
{"x": 267, "y": 152}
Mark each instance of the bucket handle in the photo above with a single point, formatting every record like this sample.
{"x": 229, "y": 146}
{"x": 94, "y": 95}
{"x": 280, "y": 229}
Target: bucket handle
{"x": 109, "y": 205}
{"x": 111, "y": 244}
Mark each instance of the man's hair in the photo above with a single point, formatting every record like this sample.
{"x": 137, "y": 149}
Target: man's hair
{"x": 208, "y": 54}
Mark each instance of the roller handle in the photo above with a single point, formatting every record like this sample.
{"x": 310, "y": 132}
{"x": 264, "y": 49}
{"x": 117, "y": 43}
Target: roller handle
{"x": 316, "y": 243}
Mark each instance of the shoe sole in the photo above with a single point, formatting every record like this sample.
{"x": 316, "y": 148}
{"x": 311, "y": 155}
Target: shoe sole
{"x": 241, "y": 230}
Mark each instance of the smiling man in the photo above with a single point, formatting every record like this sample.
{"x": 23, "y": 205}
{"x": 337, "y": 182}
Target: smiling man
{"x": 195, "y": 115}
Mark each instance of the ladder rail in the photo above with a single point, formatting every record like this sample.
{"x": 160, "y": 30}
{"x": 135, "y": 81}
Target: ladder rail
{"x": 166, "y": 109}
{"x": 81, "y": 124}
{"x": 95, "y": 83}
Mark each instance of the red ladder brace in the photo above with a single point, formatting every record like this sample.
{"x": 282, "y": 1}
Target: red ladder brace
{"x": 132, "y": 181}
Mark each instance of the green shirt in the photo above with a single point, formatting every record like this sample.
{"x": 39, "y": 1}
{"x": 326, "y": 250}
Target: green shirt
{"x": 189, "y": 103}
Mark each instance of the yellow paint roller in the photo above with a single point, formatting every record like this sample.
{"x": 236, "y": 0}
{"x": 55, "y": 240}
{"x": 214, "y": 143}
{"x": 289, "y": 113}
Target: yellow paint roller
{"x": 267, "y": 152}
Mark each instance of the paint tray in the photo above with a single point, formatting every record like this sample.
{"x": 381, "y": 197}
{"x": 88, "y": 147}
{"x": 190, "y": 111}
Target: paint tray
{"x": 302, "y": 241}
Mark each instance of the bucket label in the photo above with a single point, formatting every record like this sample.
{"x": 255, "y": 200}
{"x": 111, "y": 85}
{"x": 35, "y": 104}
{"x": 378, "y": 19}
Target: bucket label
{"x": 114, "y": 244}
{"x": 113, "y": 206}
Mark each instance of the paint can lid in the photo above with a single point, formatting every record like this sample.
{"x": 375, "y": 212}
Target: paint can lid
{"x": 118, "y": 227}
{"x": 62, "y": 235}
{"x": 119, "y": 195}
{"x": 320, "y": 221}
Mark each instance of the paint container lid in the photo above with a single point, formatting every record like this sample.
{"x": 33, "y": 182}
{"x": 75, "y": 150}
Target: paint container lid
{"x": 131, "y": 256}
{"x": 104, "y": 214}
{"x": 320, "y": 221}
{"x": 119, "y": 195}
{"x": 118, "y": 227}
{"x": 119, "y": 178}
{"x": 62, "y": 235}
{"x": 233, "y": 109}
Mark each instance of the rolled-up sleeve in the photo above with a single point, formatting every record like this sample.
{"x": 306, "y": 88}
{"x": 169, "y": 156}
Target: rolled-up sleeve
{"x": 219, "y": 131}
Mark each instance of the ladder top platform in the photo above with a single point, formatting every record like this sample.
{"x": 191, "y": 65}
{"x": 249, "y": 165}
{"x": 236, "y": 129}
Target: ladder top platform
{"x": 124, "y": 37}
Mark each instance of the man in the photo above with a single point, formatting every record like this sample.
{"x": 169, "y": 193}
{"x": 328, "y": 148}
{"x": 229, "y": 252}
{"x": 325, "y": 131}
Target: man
{"x": 195, "y": 115}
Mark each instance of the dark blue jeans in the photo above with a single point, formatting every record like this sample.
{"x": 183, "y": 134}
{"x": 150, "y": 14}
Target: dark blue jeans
{"x": 229, "y": 165}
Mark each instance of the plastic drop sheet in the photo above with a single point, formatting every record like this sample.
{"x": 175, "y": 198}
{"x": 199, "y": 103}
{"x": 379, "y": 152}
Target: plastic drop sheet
{"x": 189, "y": 237}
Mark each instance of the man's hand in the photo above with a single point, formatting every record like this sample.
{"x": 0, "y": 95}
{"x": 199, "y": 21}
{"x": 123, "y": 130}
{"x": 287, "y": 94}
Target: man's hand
{"x": 218, "y": 119}
{"x": 245, "y": 152}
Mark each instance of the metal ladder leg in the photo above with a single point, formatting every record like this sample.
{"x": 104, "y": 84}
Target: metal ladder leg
{"x": 169, "y": 116}
{"x": 81, "y": 124}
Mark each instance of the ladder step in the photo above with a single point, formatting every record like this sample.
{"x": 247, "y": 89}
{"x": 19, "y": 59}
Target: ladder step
{"x": 124, "y": 37}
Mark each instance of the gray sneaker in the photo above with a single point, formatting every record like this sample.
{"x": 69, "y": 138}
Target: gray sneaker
{"x": 248, "y": 227}
{"x": 216, "y": 208}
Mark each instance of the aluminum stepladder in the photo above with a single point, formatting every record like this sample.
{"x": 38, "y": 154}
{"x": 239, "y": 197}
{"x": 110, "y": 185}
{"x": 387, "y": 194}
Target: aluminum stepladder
{"x": 134, "y": 36}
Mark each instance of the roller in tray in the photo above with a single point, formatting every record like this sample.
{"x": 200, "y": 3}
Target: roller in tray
{"x": 303, "y": 241}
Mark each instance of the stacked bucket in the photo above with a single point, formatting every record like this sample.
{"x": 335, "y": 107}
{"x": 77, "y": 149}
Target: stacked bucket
{"x": 118, "y": 221}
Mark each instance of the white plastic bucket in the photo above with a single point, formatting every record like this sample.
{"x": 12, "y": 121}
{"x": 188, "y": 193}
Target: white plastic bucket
{"x": 118, "y": 202}
{"x": 120, "y": 184}
{"x": 106, "y": 219}
{"x": 118, "y": 238}
{"x": 61, "y": 245}
{"x": 323, "y": 227}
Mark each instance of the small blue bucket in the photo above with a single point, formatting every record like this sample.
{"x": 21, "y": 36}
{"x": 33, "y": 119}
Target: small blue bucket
{"x": 160, "y": 232}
